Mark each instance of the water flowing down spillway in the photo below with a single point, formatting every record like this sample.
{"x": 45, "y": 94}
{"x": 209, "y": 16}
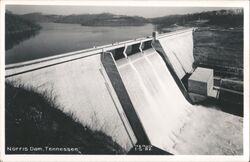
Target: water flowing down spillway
{"x": 158, "y": 101}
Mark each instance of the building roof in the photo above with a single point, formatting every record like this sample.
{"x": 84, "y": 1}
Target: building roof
{"x": 201, "y": 74}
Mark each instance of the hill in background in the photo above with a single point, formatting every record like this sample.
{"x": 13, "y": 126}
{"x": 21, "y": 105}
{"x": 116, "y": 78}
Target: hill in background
{"x": 16, "y": 24}
{"x": 18, "y": 29}
{"x": 223, "y": 18}
{"x": 103, "y": 19}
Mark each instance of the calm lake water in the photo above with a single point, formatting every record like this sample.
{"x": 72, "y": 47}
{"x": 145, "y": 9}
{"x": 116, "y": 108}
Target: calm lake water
{"x": 55, "y": 38}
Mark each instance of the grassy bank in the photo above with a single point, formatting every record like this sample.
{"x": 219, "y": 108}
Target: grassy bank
{"x": 220, "y": 50}
{"x": 34, "y": 120}
{"x": 218, "y": 40}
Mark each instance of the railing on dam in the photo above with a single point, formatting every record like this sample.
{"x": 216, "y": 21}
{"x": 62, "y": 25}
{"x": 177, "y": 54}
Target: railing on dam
{"x": 129, "y": 87}
{"x": 140, "y": 43}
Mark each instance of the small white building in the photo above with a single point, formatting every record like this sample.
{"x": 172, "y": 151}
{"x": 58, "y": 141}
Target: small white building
{"x": 201, "y": 81}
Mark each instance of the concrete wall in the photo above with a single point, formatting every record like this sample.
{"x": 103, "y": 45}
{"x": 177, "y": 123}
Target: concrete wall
{"x": 178, "y": 51}
{"x": 125, "y": 89}
{"x": 81, "y": 87}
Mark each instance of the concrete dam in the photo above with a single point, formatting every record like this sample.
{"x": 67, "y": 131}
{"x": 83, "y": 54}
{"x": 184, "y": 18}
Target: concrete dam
{"x": 132, "y": 91}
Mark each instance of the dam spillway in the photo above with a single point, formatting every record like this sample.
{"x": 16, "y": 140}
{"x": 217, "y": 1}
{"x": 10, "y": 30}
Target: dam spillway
{"x": 153, "y": 93}
{"x": 131, "y": 91}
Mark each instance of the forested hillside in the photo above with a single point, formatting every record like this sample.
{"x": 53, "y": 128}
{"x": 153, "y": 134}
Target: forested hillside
{"x": 16, "y": 24}
{"x": 103, "y": 19}
{"x": 223, "y": 18}
{"x": 18, "y": 29}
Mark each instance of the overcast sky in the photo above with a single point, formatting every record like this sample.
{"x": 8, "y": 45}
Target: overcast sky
{"x": 139, "y": 11}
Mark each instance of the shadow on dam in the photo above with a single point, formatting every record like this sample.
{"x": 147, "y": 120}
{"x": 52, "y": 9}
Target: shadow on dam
{"x": 126, "y": 90}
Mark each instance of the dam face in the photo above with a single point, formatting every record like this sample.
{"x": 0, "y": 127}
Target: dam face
{"x": 154, "y": 94}
{"x": 132, "y": 91}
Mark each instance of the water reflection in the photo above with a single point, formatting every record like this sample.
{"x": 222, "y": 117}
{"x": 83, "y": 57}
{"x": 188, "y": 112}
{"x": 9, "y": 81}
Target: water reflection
{"x": 12, "y": 40}
{"x": 56, "y": 38}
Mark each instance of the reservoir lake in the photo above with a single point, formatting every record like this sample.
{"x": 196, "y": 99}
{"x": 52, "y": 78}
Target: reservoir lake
{"x": 57, "y": 38}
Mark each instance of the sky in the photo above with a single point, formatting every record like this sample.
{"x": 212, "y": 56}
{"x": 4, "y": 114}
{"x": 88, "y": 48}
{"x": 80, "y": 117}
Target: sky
{"x": 147, "y": 12}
